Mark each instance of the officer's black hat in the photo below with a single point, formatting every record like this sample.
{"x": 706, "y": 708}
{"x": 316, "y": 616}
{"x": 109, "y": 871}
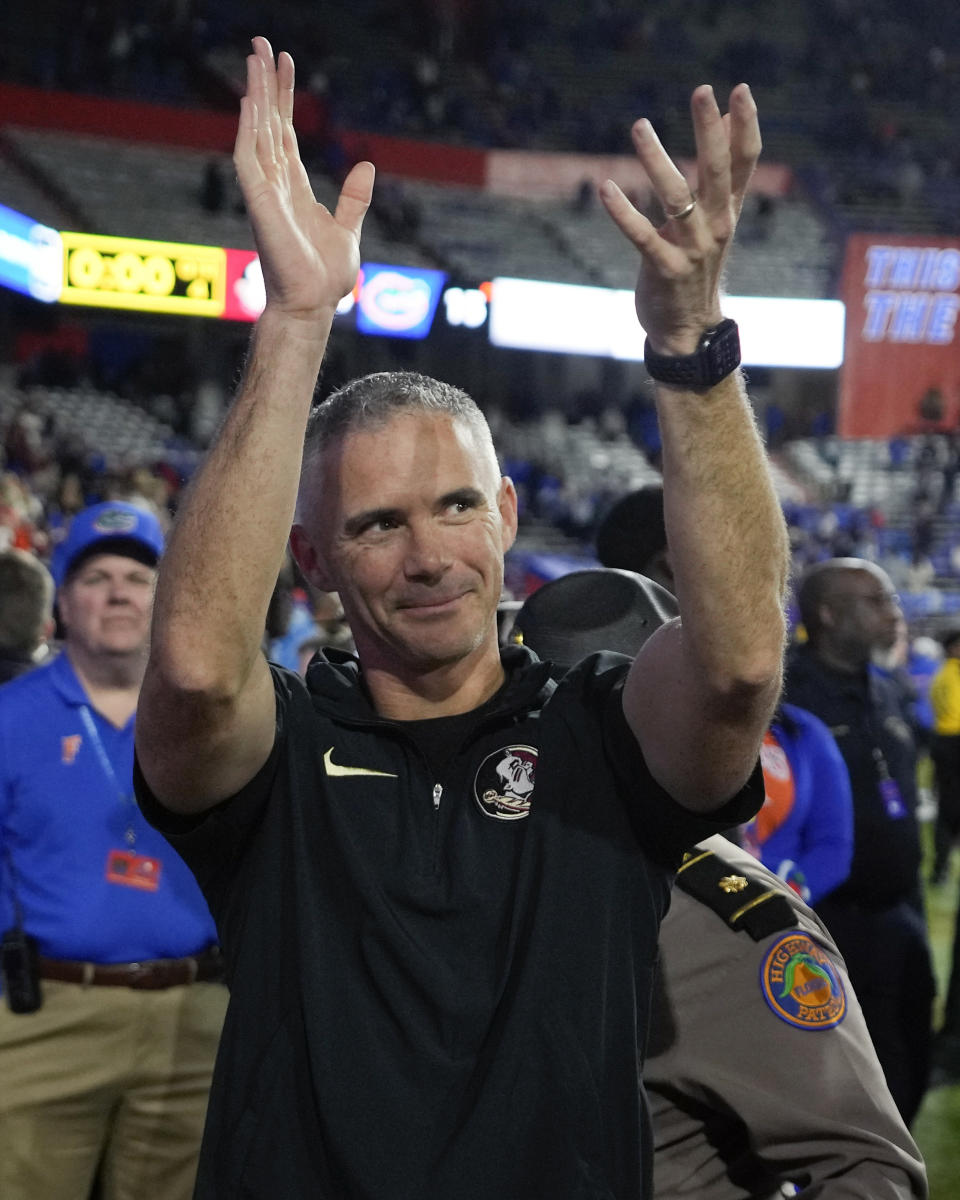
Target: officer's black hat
{"x": 596, "y": 609}
{"x": 633, "y": 532}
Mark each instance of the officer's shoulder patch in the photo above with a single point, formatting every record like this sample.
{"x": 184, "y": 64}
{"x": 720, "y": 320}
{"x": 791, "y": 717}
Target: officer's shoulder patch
{"x": 744, "y": 902}
{"x": 800, "y": 983}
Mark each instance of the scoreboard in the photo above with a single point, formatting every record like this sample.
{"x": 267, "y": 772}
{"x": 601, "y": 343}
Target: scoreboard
{"x": 131, "y": 273}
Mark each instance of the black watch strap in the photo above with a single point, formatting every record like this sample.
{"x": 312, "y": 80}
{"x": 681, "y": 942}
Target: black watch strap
{"x": 716, "y": 357}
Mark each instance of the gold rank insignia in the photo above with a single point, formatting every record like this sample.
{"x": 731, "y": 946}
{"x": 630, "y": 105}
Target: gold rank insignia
{"x": 743, "y": 902}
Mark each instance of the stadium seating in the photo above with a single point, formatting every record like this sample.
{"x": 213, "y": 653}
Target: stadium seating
{"x": 115, "y": 432}
{"x": 131, "y": 189}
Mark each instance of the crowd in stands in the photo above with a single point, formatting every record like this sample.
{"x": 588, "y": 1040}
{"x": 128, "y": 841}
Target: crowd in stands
{"x": 856, "y": 94}
{"x": 569, "y": 470}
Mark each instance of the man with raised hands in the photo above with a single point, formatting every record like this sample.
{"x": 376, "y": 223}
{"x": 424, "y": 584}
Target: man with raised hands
{"x": 438, "y": 876}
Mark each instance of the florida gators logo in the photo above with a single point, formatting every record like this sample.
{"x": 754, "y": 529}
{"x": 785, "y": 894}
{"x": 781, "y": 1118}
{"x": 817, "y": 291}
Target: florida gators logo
{"x": 115, "y": 521}
{"x": 504, "y": 783}
{"x": 69, "y": 746}
{"x": 801, "y": 984}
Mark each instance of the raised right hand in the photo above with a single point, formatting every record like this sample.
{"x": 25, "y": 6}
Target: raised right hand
{"x": 310, "y": 256}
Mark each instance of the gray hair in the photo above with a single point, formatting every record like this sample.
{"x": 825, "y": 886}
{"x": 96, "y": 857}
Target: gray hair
{"x": 370, "y": 402}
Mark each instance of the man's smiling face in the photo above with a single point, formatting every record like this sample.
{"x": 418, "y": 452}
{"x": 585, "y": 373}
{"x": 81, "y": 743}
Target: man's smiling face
{"x": 413, "y": 524}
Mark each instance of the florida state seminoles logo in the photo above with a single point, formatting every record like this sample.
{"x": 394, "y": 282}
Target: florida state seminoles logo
{"x": 504, "y": 782}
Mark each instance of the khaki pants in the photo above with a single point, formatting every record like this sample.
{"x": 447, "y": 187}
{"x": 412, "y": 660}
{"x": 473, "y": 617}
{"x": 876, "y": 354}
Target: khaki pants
{"x": 108, "y": 1075}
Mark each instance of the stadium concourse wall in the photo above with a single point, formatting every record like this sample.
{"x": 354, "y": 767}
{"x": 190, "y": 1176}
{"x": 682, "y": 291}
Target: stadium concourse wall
{"x": 102, "y": 270}
{"x": 530, "y": 175}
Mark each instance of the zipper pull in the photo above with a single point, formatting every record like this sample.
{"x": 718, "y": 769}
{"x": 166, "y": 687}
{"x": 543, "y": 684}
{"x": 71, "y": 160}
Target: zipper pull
{"x": 437, "y": 793}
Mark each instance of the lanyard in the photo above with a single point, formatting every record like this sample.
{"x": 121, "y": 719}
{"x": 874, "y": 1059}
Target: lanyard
{"x": 125, "y": 798}
{"x": 14, "y": 889}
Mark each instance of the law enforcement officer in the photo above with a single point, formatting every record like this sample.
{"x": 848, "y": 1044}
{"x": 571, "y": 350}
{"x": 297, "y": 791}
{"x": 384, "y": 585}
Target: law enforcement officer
{"x": 110, "y": 1017}
{"x": 760, "y": 1071}
{"x": 850, "y": 610}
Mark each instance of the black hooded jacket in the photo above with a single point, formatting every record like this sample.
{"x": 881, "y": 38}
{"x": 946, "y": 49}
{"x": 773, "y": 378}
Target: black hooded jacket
{"x": 439, "y": 983}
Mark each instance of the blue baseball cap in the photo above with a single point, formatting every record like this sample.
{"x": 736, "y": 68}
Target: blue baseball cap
{"x": 113, "y": 527}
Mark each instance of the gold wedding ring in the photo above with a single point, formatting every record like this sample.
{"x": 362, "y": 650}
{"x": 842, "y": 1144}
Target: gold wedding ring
{"x": 684, "y": 212}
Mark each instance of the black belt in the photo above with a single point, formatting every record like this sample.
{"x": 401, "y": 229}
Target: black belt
{"x": 149, "y": 975}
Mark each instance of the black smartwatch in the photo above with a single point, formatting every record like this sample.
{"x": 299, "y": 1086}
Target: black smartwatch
{"x": 716, "y": 356}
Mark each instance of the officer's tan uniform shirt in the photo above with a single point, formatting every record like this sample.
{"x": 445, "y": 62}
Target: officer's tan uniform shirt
{"x": 760, "y": 1069}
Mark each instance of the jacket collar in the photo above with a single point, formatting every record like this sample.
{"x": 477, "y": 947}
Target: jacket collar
{"x": 803, "y": 660}
{"x": 336, "y": 687}
{"x": 867, "y": 682}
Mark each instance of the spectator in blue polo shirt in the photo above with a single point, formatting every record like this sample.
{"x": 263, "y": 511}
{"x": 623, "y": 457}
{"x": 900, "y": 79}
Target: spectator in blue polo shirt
{"x": 112, "y": 1002}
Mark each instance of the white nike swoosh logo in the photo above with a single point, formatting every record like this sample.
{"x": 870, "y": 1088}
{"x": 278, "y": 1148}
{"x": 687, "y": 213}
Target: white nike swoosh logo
{"x": 333, "y": 768}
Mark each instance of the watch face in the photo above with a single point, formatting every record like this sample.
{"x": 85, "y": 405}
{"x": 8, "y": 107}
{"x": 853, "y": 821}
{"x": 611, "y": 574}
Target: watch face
{"x": 717, "y": 356}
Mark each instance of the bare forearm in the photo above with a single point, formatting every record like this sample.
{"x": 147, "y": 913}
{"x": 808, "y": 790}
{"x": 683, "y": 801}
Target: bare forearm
{"x": 206, "y": 720}
{"x": 228, "y": 543}
{"x": 710, "y": 681}
{"x": 726, "y": 534}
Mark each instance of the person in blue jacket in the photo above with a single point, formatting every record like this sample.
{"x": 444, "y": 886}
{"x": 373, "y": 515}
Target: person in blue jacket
{"x": 804, "y": 832}
{"x": 112, "y": 1009}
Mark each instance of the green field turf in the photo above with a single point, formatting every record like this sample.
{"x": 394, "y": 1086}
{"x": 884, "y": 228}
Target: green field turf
{"x": 937, "y": 1127}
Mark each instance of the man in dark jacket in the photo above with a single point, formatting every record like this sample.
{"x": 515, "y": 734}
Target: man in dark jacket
{"x": 438, "y": 879}
{"x": 849, "y": 608}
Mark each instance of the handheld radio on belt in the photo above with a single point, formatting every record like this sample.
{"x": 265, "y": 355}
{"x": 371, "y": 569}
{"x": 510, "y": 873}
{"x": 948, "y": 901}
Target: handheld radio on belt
{"x": 18, "y": 956}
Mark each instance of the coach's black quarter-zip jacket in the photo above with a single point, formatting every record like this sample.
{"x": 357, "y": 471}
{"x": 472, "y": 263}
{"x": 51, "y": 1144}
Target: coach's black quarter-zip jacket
{"x": 439, "y": 985}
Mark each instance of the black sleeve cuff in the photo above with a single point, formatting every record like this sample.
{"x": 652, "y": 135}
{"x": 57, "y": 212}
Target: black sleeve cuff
{"x": 665, "y": 827}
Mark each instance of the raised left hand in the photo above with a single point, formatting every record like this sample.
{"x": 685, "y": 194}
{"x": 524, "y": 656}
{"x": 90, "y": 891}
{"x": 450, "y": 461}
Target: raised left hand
{"x": 681, "y": 263}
